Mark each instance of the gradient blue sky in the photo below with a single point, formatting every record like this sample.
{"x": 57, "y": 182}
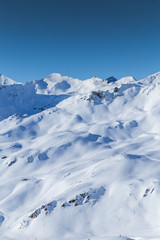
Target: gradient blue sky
{"x": 79, "y": 38}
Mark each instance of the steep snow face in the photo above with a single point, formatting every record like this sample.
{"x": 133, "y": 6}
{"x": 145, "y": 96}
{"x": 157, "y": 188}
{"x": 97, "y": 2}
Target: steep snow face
{"x": 80, "y": 159}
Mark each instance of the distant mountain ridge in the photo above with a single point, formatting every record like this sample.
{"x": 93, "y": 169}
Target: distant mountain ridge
{"x": 32, "y": 97}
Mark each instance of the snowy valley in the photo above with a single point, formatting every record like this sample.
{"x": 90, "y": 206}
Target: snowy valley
{"x": 80, "y": 159}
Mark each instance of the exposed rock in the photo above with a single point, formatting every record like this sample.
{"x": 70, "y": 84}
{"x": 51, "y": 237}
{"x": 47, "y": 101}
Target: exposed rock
{"x": 90, "y": 197}
{"x": 96, "y": 97}
{"x": 116, "y": 89}
{"x": 111, "y": 79}
{"x": 47, "y": 209}
{"x": 12, "y": 162}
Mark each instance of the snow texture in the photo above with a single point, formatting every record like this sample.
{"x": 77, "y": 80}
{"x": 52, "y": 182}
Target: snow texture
{"x": 80, "y": 159}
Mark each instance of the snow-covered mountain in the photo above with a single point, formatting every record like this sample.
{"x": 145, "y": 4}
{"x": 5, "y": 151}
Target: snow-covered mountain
{"x": 80, "y": 159}
{"x": 4, "y": 81}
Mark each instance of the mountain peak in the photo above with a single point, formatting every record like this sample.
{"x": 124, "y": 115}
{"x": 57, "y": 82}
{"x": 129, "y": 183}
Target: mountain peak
{"x": 6, "y": 81}
{"x": 126, "y": 80}
{"x": 111, "y": 79}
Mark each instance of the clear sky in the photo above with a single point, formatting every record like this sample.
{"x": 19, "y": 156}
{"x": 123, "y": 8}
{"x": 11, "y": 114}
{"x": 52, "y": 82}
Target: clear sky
{"x": 79, "y": 38}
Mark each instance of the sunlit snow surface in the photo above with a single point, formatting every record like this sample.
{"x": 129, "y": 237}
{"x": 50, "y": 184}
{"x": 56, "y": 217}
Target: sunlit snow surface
{"x": 79, "y": 159}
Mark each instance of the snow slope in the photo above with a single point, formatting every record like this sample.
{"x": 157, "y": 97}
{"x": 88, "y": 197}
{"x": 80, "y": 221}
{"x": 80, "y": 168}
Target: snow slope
{"x": 80, "y": 159}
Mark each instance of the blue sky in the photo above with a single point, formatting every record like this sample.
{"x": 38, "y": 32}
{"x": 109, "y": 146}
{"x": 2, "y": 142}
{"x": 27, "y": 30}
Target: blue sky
{"x": 79, "y": 38}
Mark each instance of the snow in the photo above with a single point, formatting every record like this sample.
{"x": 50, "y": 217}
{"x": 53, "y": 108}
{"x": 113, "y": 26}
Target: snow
{"x": 5, "y": 81}
{"x": 80, "y": 159}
